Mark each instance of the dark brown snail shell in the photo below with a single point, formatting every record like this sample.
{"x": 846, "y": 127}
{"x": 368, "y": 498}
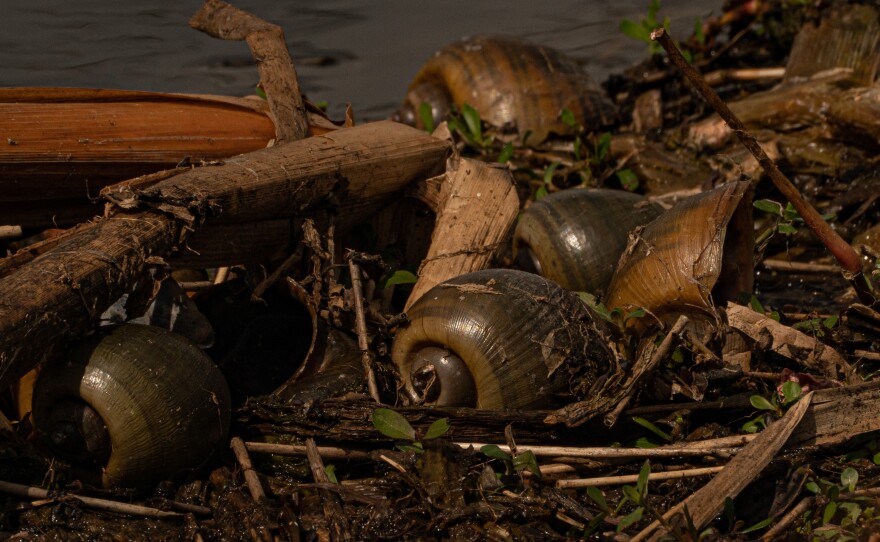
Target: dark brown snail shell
{"x": 693, "y": 256}
{"x": 575, "y": 237}
{"x": 512, "y": 83}
{"x": 132, "y": 407}
{"x": 515, "y": 338}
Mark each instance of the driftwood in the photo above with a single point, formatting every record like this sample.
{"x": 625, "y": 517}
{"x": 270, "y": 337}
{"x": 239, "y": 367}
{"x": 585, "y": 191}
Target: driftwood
{"x": 277, "y": 74}
{"x": 57, "y": 296}
{"x": 476, "y": 207}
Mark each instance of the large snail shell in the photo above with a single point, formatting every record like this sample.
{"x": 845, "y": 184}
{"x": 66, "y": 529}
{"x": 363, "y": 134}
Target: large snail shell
{"x": 512, "y": 83}
{"x": 695, "y": 253}
{"x": 575, "y": 237}
{"x": 148, "y": 402}
{"x": 515, "y": 338}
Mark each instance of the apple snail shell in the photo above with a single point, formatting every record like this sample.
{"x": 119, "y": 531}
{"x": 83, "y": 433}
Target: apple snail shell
{"x": 512, "y": 83}
{"x": 507, "y": 339}
{"x": 575, "y": 237}
{"x": 132, "y": 406}
{"x": 694, "y": 255}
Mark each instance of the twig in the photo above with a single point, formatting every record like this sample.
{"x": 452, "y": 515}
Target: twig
{"x": 659, "y": 354}
{"x": 607, "y": 453}
{"x": 250, "y": 475}
{"x": 799, "y": 267}
{"x": 789, "y": 518}
{"x": 361, "y": 326}
{"x": 29, "y": 492}
{"x": 267, "y": 44}
{"x": 847, "y": 257}
{"x": 285, "y": 266}
{"x": 327, "y": 452}
{"x": 222, "y": 275}
{"x": 631, "y": 478}
{"x": 332, "y": 509}
{"x": 10, "y": 232}
{"x": 197, "y": 285}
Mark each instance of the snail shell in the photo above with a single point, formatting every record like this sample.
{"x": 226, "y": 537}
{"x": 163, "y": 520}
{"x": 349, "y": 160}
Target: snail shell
{"x": 132, "y": 406}
{"x": 697, "y": 252}
{"x": 513, "y": 84}
{"x": 511, "y": 339}
{"x": 575, "y": 237}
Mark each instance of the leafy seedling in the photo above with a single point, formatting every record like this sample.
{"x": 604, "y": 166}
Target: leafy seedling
{"x": 393, "y": 425}
{"x": 513, "y": 463}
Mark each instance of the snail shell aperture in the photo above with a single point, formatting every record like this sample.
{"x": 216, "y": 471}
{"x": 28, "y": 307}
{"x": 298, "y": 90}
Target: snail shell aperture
{"x": 513, "y": 84}
{"x": 575, "y": 237}
{"x": 132, "y": 406}
{"x": 514, "y": 338}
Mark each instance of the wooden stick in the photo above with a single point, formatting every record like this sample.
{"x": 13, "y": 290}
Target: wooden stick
{"x": 267, "y": 44}
{"x": 847, "y": 256}
{"x": 327, "y": 452}
{"x": 29, "y": 492}
{"x": 332, "y": 509}
{"x": 576, "y": 483}
{"x": 361, "y": 325}
{"x": 250, "y": 475}
{"x": 273, "y": 277}
{"x": 607, "y": 453}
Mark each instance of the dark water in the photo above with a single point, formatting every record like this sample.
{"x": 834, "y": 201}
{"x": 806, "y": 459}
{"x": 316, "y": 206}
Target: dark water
{"x": 345, "y": 51}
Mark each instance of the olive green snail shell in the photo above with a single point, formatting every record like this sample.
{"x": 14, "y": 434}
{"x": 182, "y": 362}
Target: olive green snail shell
{"x": 520, "y": 338}
{"x": 159, "y": 401}
{"x": 575, "y": 237}
{"x": 512, "y": 83}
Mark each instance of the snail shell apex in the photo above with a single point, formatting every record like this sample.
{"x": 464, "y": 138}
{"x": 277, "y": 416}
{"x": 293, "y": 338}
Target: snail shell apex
{"x": 164, "y": 403}
{"x": 523, "y": 338}
{"x": 512, "y": 83}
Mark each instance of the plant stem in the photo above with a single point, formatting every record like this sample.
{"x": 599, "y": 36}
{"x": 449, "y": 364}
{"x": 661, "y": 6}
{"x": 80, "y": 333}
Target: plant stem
{"x": 846, "y": 256}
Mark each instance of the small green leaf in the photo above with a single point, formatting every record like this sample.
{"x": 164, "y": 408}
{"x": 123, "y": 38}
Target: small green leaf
{"x": 407, "y": 447}
{"x": 653, "y": 428}
{"x": 830, "y": 322}
{"x": 632, "y": 494}
{"x": 630, "y": 518}
{"x": 757, "y": 526}
{"x": 548, "y": 173}
{"x": 813, "y": 487}
{"x": 642, "y": 483}
{"x": 331, "y": 473}
{"x": 790, "y": 213}
{"x": 392, "y": 424}
{"x": 768, "y": 206}
{"x": 437, "y": 429}
{"x": 591, "y": 301}
{"x": 729, "y": 512}
{"x": 645, "y": 443}
{"x": 541, "y": 192}
{"x": 472, "y": 118}
{"x": 828, "y": 513}
{"x": 756, "y": 305}
{"x": 426, "y": 114}
{"x": 260, "y": 92}
{"x": 635, "y": 30}
{"x": 493, "y": 451}
{"x": 849, "y": 478}
{"x": 699, "y": 36}
{"x": 506, "y": 153}
{"x": 628, "y": 180}
{"x": 596, "y": 495}
{"x": 636, "y": 313}
{"x": 761, "y": 403}
{"x": 401, "y": 276}
{"x": 791, "y": 391}
{"x": 786, "y": 229}
{"x": 603, "y": 145}
{"x": 567, "y": 118}
{"x": 527, "y": 460}
{"x": 876, "y": 458}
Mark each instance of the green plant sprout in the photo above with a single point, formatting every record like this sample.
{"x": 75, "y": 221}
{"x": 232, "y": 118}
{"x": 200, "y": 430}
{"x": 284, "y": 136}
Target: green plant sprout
{"x": 787, "y": 219}
{"x": 513, "y": 463}
{"x": 791, "y": 392}
{"x": 641, "y": 30}
{"x": 393, "y": 425}
{"x": 468, "y": 124}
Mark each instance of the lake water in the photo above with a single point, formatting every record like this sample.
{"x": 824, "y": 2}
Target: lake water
{"x": 345, "y": 51}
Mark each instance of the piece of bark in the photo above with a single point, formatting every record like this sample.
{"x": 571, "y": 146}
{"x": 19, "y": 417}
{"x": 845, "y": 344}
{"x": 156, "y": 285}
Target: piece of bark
{"x": 708, "y": 501}
{"x": 478, "y": 207}
{"x": 56, "y": 297}
{"x": 277, "y": 74}
{"x": 769, "y": 334}
{"x": 219, "y": 245}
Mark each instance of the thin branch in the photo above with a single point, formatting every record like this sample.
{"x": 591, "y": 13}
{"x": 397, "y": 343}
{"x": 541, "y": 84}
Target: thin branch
{"x": 361, "y": 325}
{"x": 632, "y": 478}
{"x": 250, "y": 475}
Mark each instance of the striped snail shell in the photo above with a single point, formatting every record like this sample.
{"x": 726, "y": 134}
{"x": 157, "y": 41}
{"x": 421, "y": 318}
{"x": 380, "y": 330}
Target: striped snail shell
{"x": 513, "y": 84}
{"x": 694, "y": 255}
{"x": 132, "y": 406}
{"x": 575, "y": 237}
{"x": 500, "y": 338}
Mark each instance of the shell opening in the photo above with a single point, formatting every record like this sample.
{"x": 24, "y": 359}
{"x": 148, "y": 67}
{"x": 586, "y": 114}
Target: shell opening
{"x": 77, "y": 432}
{"x": 527, "y": 260}
{"x": 439, "y": 376}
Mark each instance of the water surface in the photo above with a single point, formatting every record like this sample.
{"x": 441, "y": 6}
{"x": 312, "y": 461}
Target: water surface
{"x": 345, "y": 51}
